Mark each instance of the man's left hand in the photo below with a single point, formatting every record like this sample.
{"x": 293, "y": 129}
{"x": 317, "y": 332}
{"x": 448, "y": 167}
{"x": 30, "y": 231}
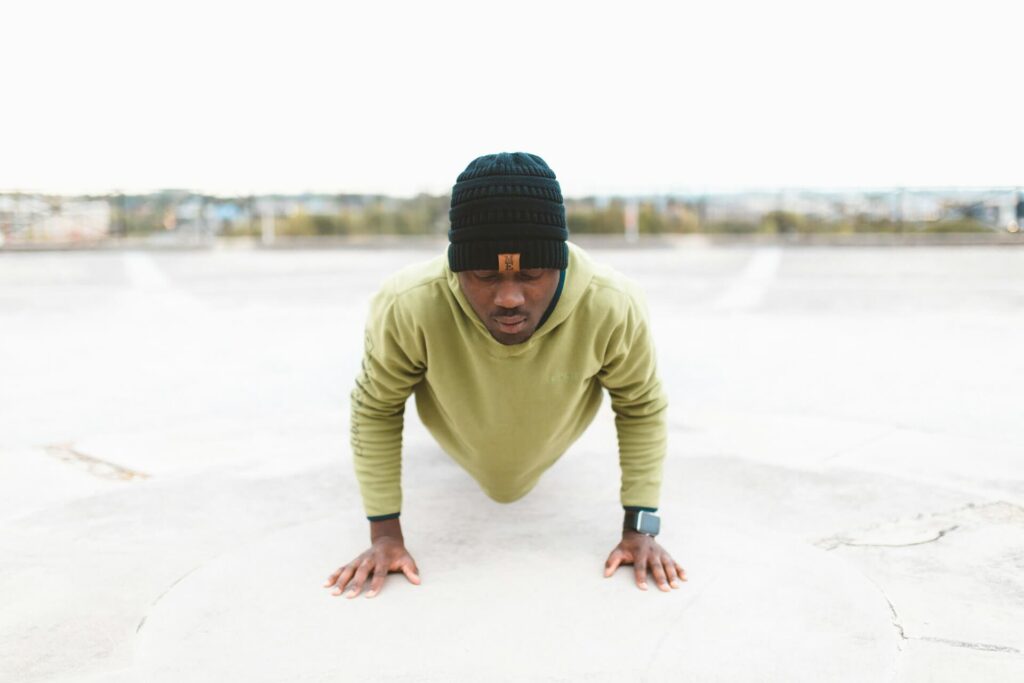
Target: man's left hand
{"x": 644, "y": 553}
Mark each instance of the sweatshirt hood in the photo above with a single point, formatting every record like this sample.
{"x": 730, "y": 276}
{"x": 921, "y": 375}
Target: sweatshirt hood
{"x": 578, "y": 275}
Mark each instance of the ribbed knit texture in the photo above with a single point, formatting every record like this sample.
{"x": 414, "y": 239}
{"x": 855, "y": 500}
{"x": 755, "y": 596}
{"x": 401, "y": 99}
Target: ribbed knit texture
{"x": 507, "y": 203}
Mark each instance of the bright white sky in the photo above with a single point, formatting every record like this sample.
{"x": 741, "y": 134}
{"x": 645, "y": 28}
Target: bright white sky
{"x": 618, "y": 97}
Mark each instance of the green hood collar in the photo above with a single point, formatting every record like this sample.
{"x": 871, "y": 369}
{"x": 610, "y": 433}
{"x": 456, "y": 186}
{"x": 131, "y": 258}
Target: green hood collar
{"x": 578, "y": 275}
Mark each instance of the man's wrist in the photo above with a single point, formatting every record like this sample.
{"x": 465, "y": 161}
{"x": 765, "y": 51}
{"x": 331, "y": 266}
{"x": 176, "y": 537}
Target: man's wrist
{"x": 380, "y": 518}
{"x": 640, "y": 520}
{"x": 386, "y": 528}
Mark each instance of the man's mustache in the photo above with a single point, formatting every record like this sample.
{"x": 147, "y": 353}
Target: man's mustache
{"x": 508, "y": 313}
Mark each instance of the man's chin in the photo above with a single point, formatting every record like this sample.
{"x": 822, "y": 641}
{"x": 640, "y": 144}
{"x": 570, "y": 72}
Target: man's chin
{"x": 511, "y": 339}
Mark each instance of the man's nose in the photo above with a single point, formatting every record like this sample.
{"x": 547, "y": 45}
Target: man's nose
{"x": 509, "y": 294}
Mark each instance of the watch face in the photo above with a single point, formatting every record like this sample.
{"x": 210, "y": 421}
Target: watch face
{"x": 649, "y": 524}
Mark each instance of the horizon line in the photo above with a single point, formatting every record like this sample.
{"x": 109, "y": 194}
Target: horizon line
{"x": 681, "y": 191}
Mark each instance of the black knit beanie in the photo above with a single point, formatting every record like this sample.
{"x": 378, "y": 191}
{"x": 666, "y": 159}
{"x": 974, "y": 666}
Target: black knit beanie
{"x": 507, "y": 213}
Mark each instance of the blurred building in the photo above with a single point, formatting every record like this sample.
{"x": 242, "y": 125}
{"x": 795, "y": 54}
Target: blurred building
{"x": 1000, "y": 209}
{"x": 36, "y": 218}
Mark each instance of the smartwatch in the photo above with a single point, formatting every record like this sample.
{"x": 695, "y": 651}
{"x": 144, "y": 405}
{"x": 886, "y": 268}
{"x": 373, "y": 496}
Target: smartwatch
{"x": 643, "y": 521}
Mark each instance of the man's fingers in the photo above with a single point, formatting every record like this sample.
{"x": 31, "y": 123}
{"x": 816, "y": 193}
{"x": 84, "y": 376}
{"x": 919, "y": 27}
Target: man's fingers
{"x": 659, "y": 574}
{"x": 672, "y": 567}
{"x": 670, "y": 571}
{"x": 411, "y": 573}
{"x": 379, "y": 574}
{"x": 360, "y": 578}
{"x": 346, "y": 575}
{"x": 333, "y": 577}
{"x": 612, "y": 563}
{"x": 640, "y": 569}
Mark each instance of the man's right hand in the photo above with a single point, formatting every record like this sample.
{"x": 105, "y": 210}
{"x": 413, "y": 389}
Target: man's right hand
{"x": 387, "y": 554}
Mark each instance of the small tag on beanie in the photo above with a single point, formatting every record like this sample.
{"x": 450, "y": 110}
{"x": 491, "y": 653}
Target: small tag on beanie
{"x": 508, "y": 263}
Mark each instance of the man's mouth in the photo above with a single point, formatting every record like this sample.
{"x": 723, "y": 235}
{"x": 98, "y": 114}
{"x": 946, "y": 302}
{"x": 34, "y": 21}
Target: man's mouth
{"x": 510, "y": 324}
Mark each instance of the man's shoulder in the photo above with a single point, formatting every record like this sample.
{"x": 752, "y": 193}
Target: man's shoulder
{"x": 414, "y": 278}
{"x": 609, "y": 288}
{"x": 408, "y": 299}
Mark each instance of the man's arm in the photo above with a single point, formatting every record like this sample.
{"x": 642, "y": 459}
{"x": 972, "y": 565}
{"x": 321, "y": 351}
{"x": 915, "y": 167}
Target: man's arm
{"x": 391, "y": 368}
{"x": 630, "y": 376}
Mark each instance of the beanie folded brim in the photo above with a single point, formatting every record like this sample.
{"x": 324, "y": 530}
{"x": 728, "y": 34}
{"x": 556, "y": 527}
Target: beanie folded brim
{"x": 483, "y": 254}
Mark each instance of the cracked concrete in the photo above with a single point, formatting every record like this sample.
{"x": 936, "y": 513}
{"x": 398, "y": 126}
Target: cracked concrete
{"x": 843, "y": 484}
{"x": 894, "y": 615}
{"x": 93, "y": 465}
{"x": 908, "y": 544}
{"x": 898, "y": 626}
{"x": 963, "y": 592}
{"x": 924, "y": 528}
{"x": 900, "y": 534}
{"x": 983, "y": 647}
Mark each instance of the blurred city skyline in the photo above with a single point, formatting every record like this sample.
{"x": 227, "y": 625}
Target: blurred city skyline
{"x": 396, "y": 99}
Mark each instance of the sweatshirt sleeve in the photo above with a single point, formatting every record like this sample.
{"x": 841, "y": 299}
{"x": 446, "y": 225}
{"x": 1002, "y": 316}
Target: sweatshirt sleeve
{"x": 392, "y": 366}
{"x": 630, "y": 375}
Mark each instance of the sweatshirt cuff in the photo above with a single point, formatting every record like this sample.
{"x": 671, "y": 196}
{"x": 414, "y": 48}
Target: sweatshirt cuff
{"x": 381, "y": 518}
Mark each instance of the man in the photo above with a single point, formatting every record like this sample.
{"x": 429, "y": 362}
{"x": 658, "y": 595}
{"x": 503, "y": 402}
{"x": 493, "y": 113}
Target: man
{"x": 507, "y": 343}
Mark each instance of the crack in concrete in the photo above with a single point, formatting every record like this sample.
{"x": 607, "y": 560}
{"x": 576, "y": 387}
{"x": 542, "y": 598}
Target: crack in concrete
{"x": 984, "y": 647}
{"x": 894, "y": 617}
{"x": 834, "y": 542}
{"x": 901, "y": 634}
{"x": 898, "y": 625}
{"x": 175, "y": 583}
{"x": 93, "y": 465}
{"x": 181, "y": 578}
{"x": 165, "y": 592}
{"x": 998, "y": 511}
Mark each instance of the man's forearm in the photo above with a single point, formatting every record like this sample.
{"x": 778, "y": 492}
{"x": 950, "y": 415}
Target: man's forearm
{"x": 391, "y": 528}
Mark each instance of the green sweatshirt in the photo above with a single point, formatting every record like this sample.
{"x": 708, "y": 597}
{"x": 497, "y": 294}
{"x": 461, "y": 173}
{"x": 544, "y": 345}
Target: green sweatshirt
{"x": 506, "y": 413}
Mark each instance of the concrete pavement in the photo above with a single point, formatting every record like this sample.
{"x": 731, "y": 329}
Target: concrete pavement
{"x": 844, "y": 483}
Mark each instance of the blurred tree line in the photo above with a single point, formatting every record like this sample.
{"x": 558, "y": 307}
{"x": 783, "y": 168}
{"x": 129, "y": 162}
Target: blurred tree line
{"x": 341, "y": 215}
{"x": 790, "y": 222}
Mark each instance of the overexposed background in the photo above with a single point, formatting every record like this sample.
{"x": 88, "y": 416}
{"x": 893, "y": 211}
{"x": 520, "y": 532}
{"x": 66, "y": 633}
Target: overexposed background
{"x": 396, "y": 97}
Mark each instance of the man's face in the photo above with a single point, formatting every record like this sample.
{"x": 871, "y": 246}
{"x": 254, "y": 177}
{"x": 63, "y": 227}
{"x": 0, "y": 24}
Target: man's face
{"x": 510, "y": 304}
